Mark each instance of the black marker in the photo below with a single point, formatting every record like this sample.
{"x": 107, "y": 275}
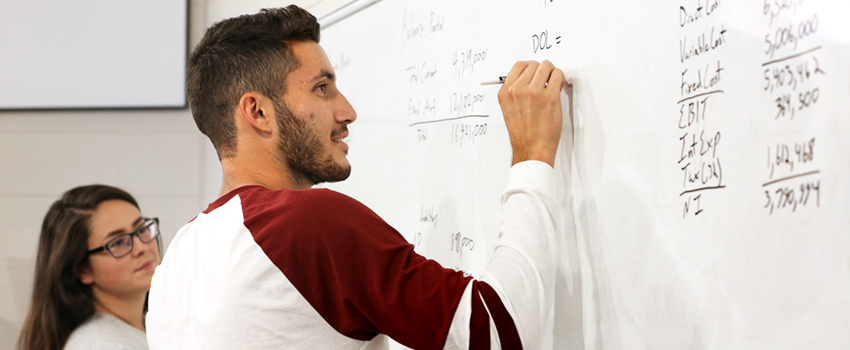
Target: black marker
{"x": 495, "y": 82}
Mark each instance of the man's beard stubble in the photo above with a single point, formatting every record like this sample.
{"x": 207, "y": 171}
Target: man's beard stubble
{"x": 302, "y": 150}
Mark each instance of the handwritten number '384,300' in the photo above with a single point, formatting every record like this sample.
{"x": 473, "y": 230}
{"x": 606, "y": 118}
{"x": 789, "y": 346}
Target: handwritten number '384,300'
{"x": 785, "y": 104}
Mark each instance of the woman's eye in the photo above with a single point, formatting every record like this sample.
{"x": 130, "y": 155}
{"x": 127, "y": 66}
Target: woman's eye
{"x": 119, "y": 242}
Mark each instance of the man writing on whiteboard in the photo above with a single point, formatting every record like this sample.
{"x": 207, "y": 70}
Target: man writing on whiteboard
{"x": 276, "y": 264}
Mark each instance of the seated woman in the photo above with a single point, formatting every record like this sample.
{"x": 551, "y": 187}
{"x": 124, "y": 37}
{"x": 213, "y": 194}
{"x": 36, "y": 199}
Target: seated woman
{"x": 96, "y": 257}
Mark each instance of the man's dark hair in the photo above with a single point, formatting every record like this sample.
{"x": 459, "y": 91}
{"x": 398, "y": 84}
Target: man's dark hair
{"x": 238, "y": 55}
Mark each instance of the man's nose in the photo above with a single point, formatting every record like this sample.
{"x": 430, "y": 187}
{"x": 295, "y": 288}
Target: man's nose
{"x": 345, "y": 113}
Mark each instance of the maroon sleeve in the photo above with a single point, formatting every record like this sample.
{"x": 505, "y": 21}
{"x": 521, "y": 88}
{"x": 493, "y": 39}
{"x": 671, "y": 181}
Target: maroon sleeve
{"x": 508, "y": 335}
{"x": 359, "y": 273}
{"x": 479, "y": 321}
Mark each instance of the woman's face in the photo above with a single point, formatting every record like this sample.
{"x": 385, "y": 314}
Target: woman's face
{"x": 130, "y": 274}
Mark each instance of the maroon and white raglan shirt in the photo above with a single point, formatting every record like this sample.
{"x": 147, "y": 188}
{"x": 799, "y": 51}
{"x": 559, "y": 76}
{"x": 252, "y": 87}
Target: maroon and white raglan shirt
{"x": 316, "y": 269}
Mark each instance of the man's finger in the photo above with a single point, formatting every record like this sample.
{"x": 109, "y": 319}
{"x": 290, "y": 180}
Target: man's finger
{"x": 541, "y": 76}
{"x": 528, "y": 73}
{"x": 516, "y": 70}
{"x": 557, "y": 79}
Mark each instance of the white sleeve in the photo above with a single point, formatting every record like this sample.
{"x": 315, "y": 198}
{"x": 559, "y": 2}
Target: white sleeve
{"x": 522, "y": 270}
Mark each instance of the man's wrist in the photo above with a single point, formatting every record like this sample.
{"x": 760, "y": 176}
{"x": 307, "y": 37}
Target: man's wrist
{"x": 544, "y": 156}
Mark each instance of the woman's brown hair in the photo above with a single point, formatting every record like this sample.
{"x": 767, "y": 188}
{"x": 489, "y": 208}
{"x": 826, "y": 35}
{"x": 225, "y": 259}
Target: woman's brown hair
{"x": 60, "y": 302}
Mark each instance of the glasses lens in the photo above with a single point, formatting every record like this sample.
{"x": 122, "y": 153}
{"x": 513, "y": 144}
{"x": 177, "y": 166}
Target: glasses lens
{"x": 120, "y": 246}
{"x": 149, "y": 230}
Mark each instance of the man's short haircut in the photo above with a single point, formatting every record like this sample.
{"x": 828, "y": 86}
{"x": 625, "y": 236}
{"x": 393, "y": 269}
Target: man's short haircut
{"x": 238, "y": 55}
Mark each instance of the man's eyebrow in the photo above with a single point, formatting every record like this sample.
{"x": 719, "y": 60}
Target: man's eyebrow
{"x": 324, "y": 74}
{"x": 121, "y": 231}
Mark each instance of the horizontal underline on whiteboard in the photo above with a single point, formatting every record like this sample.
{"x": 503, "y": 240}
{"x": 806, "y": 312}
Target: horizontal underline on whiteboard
{"x": 702, "y": 189}
{"x": 790, "y": 57}
{"x": 790, "y": 177}
{"x": 702, "y": 94}
{"x": 450, "y": 119}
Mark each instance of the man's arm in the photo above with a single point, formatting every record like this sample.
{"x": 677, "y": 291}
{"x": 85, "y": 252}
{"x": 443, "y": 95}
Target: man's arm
{"x": 522, "y": 270}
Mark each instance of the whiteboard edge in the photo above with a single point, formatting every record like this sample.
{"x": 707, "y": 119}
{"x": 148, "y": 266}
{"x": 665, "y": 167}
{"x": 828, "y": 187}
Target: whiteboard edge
{"x": 345, "y": 11}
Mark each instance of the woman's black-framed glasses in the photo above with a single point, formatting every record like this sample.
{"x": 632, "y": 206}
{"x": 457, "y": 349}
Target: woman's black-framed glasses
{"x": 123, "y": 244}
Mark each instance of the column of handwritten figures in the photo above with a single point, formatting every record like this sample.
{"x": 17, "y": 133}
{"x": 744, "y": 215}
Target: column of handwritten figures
{"x": 445, "y": 119}
{"x": 791, "y": 73}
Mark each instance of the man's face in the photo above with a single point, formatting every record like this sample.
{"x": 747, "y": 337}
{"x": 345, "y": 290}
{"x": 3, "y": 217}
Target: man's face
{"x": 313, "y": 119}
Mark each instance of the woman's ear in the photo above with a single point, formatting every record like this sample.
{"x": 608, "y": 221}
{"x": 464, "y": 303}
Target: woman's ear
{"x": 84, "y": 274}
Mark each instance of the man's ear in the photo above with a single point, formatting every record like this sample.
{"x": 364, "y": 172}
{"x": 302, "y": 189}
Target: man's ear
{"x": 257, "y": 111}
{"x": 84, "y": 274}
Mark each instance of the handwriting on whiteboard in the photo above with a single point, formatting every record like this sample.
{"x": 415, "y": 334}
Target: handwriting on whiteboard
{"x": 416, "y": 28}
{"x": 701, "y": 81}
{"x": 791, "y": 78}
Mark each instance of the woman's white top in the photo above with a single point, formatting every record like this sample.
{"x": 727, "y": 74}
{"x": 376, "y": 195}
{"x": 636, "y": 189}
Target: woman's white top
{"x": 102, "y": 331}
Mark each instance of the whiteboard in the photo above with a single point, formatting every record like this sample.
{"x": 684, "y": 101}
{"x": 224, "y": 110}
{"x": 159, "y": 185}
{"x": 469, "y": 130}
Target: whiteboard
{"x": 58, "y": 54}
{"x": 707, "y": 184}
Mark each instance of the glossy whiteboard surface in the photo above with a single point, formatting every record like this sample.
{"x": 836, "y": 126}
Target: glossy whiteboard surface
{"x": 92, "y": 54}
{"x": 707, "y": 187}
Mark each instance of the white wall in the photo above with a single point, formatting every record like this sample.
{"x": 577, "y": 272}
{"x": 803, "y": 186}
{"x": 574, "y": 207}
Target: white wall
{"x": 157, "y": 155}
